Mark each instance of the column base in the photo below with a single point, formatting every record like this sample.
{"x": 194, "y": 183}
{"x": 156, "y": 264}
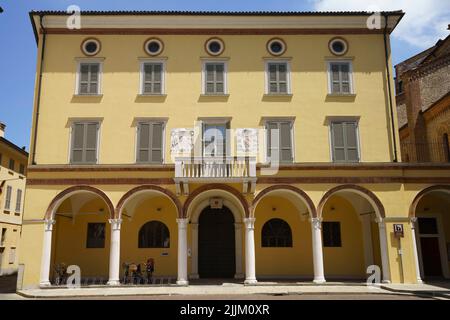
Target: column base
{"x": 194, "y": 276}
{"x": 250, "y": 282}
{"x": 239, "y": 276}
{"x": 419, "y": 281}
{"x": 386, "y": 281}
{"x": 45, "y": 284}
{"x": 319, "y": 280}
{"x": 183, "y": 283}
{"x": 113, "y": 283}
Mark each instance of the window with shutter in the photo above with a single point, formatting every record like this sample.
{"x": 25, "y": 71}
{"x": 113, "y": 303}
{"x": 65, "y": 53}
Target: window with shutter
{"x": 19, "y": 200}
{"x": 340, "y": 77}
{"x": 152, "y": 78}
{"x": 8, "y": 198}
{"x": 84, "y": 142}
{"x": 277, "y": 78}
{"x": 279, "y": 140}
{"x": 344, "y": 138}
{"x": 89, "y": 79}
{"x": 150, "y": 142}
{"x": 214, "y": 78}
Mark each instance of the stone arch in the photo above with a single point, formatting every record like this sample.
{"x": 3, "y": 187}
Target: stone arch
{"x": 421, "y": 194}
{"x": 365, "y": 193}
{"x": 147, "y": 188}
{"x": 291, "y": 189}
{"x": 67, "y": 193}
{"x": 222, "y": 187}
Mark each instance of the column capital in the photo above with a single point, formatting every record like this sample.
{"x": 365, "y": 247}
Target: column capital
{"x": 316, "y": 222}
{"x": 48, "y": 223}
{"x": 115, "y": 223}
{"x": 182, "y": 223}
{"x": 249, "y": 223}
{"x": 380, "y": 221}
{"x": 413, "y": 220}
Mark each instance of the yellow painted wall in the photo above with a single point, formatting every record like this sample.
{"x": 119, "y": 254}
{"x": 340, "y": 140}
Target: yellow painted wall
{"x": 346, "y": 261}
{"x": 183, "y": 104}
{"x": 284, "y": 262}
{"x": 147, "y": 211}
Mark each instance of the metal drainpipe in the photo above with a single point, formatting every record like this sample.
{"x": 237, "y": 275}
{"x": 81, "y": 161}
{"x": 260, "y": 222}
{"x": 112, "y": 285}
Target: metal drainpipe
{"x": 38, "y": 103}
{"x": 386, "y": 17}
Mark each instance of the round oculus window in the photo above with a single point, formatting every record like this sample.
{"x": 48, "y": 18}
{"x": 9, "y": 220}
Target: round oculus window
{"x": 153, "y": 46}
{"x": 338, "y": 46}
{"x": 91, "y": 47}
{"x": 214, "y": 46}
{"x": 276, "y": 47}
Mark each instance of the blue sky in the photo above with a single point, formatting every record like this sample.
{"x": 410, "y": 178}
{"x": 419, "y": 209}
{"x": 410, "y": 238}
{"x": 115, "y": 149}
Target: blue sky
{"x": 424, "y": 23}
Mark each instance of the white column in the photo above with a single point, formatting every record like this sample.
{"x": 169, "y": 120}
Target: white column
{"x": 114, "y": 253}
{"x": 316, "y": 226}
{"x": 384, "y": 251}
{"x": 46, "y": 253}
{"x": 238, "y": 247}
{"x": 250, "y": 270}
{"x": 415, "y": 252}
{"x": 182, "y": 252}
{"x": 367, "y": 239}
{"x": 194, "y": 256}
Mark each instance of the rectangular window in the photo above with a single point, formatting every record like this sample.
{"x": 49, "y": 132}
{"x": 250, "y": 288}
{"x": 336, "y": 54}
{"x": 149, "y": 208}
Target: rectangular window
{"x": 279, "y": 141}
{"x": 89, "y": 78}
{"x": 3, "y": 239}
{"x": 12, "y": 255}
{"x": 95, "y": 235}
{"x": 214, "y": 140}
{"x": 344, "y": 140}
{"x": 331, "y": 232}
{"x": 340, "y": 77}
{"x": 214, "y": 78}
{"x": 8, "y": 198}
{"x": 84, "y": 142}
{"x": 277, "y": 78}
{"x": 19, "y": 201}
{"x": 12, "y": 164}
{"x": 152, "y": 78}
{"x": 150, "y": 142}
{"x": 22, "y": 169}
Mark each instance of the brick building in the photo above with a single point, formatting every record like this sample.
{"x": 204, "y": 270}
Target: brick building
{"x": 423, "y": 104}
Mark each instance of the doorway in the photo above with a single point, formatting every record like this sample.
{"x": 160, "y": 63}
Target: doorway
{"x": 216, "y": 243}
{"x": 430, "y": 248}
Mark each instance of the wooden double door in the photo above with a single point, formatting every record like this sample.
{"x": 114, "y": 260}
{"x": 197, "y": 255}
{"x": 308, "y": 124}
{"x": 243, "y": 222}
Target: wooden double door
{"x": 216, "y": 244}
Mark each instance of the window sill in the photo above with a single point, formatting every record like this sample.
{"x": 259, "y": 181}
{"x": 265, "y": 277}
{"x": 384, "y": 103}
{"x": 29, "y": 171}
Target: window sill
{"x": 215, "y": 95}
{"x": 341, "y": 95}
{"x": 278, "y": 95}
{"x": 145, "y": 95}
{"x": 88, "y": 95}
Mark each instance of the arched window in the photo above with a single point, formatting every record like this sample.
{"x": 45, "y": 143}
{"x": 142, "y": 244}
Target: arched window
{"x": 154, "y": 234}
{"x": 276, "y": 233}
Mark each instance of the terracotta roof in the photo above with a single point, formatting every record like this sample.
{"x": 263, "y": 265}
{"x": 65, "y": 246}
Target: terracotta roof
{"x": 13, "y": 146}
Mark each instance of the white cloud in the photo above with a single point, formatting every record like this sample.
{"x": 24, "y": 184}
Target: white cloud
{"x": 424, "y": 23}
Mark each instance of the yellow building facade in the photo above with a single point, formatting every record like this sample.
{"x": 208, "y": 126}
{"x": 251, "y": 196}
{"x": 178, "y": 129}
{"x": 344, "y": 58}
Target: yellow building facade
{"x": 223, "y": 145}
{"x": 13, "y": 164}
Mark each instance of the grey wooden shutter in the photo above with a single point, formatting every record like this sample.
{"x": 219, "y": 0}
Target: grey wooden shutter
{"x": 91, "y": 142}
{"x": 282, "y": 78}
{"x": 345, "y": 141}
{"x": 219, "y": 78}
{"x": 93, "y": 78}
{"x": 340, "y": 77}
{"x": 285, "y": 142}
{"x": 214, "y": 78}
{"x": 18, "y": 200}
{"x": 345, "y": 77}
{"x": 8, "y": 197}
{"x": 84, "y": 79}
{"x": 89, "y": 78}
{"x": 157, "y": 142}
{"x": 84, "y": 142}
{"x": 77, "y": 142}
{"x": 152, "y": 78}
{"x": 273, "y": 83}
{"x": 351, "y": 141}
{"x": 271, "y": 148}
{"x": 150, "y": 142}
{"x": 143, "y": 142}
{"x": 335, "y": 78}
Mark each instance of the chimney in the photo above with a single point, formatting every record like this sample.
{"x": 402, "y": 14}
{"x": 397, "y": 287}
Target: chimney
{"x": 2, "y": 129}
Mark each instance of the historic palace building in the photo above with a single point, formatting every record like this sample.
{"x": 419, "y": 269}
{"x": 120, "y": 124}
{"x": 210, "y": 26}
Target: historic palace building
{"x": 225, "y": 145}
{"x": 13, "y": 164}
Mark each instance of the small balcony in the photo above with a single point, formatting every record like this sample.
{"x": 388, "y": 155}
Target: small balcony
{"x": 215, "y": 169}
{"x": 429, "y": 152}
